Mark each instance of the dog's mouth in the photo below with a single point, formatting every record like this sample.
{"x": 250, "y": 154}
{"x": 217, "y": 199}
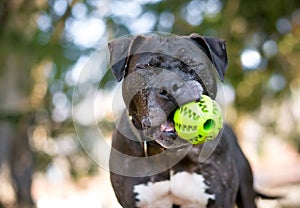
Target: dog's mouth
{"x": 166, "y": 136}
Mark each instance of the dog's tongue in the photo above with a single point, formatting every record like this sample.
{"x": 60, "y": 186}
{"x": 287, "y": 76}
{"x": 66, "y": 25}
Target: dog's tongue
{"x": 167, "y": 126}
{"x": 168, "y": 138}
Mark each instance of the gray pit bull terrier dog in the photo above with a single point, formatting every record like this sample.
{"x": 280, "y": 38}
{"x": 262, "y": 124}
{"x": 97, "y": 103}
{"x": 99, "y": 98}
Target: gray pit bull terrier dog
{"x": 151, "y": 167}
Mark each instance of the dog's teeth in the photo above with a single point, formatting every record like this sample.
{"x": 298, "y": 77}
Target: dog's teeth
{"x": 167, "y": 126}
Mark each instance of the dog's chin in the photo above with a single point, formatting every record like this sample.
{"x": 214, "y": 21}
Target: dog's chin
{"x": 166, "y": 136}
{"x": 168, "y": 142}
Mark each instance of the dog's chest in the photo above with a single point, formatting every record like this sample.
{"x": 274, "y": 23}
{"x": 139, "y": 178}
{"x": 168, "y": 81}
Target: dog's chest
{"x": 185, "y": 189}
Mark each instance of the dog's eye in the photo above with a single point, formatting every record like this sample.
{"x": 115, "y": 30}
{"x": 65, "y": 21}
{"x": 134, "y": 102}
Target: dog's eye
{"x": 176, "y": 86}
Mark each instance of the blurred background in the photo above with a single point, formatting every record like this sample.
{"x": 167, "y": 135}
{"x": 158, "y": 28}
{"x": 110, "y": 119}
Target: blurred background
{"x": 56, "y": 88}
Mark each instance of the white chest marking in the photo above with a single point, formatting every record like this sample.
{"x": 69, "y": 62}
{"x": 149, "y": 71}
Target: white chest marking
{"x": 183, "y": 188}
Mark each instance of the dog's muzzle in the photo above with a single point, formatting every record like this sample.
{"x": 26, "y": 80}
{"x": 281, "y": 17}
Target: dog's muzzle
{"x": 157, "y": 121}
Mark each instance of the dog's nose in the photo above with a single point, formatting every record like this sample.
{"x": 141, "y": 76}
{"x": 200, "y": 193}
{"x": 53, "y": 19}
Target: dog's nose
{"x": 174, "y": 86}
{"x": 146, "y": 123}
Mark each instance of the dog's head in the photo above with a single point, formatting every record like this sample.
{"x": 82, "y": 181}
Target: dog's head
{"x": 162, "y": 73}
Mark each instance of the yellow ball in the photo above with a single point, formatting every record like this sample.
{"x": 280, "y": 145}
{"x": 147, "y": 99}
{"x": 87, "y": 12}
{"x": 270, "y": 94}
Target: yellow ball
{"x": 199, "y": 122}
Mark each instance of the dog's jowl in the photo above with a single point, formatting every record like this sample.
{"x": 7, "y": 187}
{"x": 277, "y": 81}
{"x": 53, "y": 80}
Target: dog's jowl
{"x": 151, "y": 167}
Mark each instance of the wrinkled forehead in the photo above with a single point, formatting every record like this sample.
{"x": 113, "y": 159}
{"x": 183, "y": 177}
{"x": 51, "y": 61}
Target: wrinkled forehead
{"x": 176, "y": 47}
{"x": 163, "y": 60}
{"x": 146, "y": 50}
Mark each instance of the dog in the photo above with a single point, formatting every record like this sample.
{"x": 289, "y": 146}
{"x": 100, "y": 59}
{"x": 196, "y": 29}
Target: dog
{"x": 150, "y": 166}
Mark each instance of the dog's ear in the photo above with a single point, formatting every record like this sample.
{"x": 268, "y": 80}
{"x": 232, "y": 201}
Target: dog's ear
{"x": 216, "y": 50}
{"x": 119, "y": 50}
